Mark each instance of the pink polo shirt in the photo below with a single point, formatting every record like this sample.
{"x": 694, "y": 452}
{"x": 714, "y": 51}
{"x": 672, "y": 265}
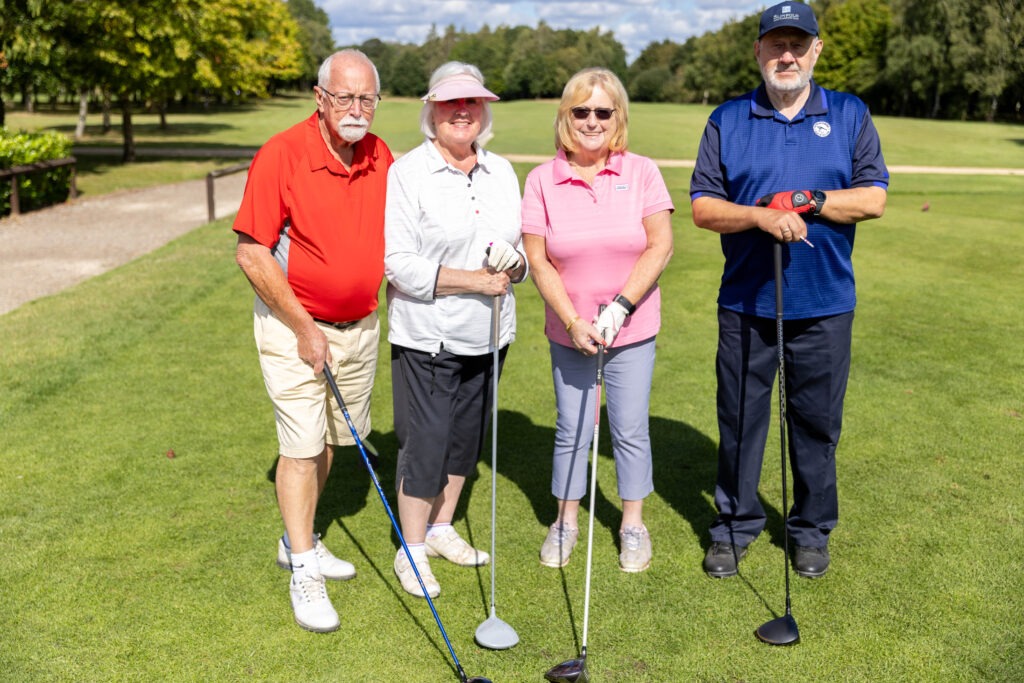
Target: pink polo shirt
{"x": 594, "y": 235}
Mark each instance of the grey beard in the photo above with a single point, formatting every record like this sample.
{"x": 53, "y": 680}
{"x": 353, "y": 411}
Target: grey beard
{"x": 352, "y": 129}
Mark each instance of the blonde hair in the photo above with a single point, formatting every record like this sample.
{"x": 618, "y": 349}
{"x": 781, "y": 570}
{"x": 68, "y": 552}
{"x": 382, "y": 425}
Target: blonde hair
{"x": 577, "y": 91}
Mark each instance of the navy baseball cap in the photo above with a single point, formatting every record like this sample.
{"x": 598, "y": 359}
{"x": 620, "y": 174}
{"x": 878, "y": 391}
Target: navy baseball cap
{"x": 788, "y": 14}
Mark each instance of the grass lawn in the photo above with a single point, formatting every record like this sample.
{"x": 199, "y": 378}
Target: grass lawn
{"x": 124, "y": 564}
{"x": 662, "y": 131}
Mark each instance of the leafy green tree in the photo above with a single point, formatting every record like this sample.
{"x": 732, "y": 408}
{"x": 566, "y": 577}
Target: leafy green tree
{"x": 991, "y": 54}
{"x": 408, "y": 75}
{"x": 855, "y": 34}
{"x": 148, "y": 51}
{"x": 314, "y": 36}
{"x": 27, "y": 54}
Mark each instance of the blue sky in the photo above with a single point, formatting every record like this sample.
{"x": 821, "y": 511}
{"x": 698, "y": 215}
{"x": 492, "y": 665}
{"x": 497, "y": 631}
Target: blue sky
{"x": 635, "y": 23}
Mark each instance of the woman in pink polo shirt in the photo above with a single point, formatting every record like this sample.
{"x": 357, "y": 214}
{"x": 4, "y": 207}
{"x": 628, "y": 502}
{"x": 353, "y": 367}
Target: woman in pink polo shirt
{"x": 597, "y": 231}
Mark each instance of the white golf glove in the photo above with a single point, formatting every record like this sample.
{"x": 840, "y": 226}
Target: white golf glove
{"x": 610, "y": 321}
{"x": 502, "y": 256}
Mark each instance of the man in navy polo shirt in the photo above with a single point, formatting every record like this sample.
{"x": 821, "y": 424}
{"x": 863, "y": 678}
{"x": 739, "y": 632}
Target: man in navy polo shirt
{"x": 794, "y": 163}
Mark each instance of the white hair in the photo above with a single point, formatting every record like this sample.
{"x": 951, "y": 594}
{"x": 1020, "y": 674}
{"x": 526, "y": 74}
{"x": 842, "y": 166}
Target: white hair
{"x": 324, "y": 75}
{"x": 447, "y": 70}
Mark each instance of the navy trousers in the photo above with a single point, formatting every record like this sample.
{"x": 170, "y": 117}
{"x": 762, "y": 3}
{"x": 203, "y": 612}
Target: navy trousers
{"x": 817, "y": 360}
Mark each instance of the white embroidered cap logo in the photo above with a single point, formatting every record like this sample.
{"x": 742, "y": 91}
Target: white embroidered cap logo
{"x": 822, "y": 129}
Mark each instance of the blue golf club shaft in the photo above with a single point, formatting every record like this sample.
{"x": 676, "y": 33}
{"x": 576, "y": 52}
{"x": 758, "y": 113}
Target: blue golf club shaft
{"x": 380, "y": 492}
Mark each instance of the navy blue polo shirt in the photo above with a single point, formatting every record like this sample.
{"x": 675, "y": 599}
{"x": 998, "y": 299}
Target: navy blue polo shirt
{"x": 749, "y": 150}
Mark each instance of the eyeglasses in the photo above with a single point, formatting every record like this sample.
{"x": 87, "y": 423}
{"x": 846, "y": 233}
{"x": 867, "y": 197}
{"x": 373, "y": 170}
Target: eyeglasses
{"x": 583, "y": 113}
{"x": 344, "y": 101}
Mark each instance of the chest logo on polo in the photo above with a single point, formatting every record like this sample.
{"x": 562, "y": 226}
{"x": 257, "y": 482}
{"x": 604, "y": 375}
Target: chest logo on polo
{"x": 822, "y": 129}
{"x": 622, "y": 187}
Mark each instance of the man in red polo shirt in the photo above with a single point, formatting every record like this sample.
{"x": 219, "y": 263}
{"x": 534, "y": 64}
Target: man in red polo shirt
{"x": 311, "y": 242}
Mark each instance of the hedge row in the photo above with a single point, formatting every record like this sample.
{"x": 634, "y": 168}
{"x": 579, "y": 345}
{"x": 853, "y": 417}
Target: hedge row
{"x": 40, "y": 188}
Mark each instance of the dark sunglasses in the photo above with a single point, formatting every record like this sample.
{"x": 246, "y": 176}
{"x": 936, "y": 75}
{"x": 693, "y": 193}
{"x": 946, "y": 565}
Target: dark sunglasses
{"x": 583, "y": 113}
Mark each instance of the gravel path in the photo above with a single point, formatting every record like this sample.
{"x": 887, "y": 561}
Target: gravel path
{"x": 49, "y": 250}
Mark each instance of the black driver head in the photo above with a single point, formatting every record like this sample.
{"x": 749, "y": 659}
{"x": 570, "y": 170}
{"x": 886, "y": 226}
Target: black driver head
{"x": 571, "y": 671}
{"x": 780, "y": 631}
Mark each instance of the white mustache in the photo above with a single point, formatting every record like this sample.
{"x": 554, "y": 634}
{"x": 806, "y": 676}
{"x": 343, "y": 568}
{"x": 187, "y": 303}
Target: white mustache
{"x": 350, "y": 120}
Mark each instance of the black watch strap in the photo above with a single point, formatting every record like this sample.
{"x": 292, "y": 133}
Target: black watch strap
{"x": 625, "y": 303}
{"x": 819, "y": 201}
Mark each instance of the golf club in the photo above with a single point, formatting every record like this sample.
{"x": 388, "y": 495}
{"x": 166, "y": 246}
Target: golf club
{"x": 781, "y": 630}
{"x": 575, "y": 670}
{"x": 394, "y": 523}
{"x": 493, "y": 633}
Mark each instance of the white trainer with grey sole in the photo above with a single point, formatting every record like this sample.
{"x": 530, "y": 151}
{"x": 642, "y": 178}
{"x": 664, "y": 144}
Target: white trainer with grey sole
{"x": 313, "y": 610}
{"x": 331, "y": 567}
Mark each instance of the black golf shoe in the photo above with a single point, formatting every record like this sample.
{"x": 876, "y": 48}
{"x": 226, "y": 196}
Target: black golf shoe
{"x": 722, "y": 559}
{"x": 810, "y": 563}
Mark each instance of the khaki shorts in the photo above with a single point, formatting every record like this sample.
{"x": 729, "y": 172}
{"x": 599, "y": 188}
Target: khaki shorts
{"x": 306, "y": 413}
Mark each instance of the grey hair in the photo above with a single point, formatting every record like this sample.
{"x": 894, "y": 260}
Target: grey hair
{"x": 323, "y": 76}
{"x": 447, "y": 70}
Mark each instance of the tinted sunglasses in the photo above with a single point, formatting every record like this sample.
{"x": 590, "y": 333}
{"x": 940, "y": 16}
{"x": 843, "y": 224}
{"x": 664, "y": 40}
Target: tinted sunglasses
{"x": 582, "y": 113}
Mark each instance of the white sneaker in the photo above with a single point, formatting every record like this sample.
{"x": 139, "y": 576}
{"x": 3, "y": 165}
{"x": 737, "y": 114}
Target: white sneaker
{"x": 330, "y": 566}
{"x": 313, "y": 610}
{"x": 636, "y": 549}
{"x": 407, "y": 577}
{"x": 449, "y": 545}
{"x": 557, "y": 547}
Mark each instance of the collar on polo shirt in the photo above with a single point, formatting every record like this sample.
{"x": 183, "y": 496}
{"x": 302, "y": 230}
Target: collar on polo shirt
{"x": 816, "y": 104}
{"x": 436, "y": 161}
{"x": 562, "y": 170}
{"x": 320, "y": 156}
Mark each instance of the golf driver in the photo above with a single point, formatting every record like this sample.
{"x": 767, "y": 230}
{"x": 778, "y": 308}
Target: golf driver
{"x": 575, "y": 670}
{"x": 781, "y": 630}
{"x": 493, "y": 633}
{"x": 394, "y": 523}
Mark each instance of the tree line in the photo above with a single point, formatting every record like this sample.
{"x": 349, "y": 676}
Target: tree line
{"x": 147, "y": 53}
{"x": 925, "y": 58}
{"x": 949, "y": 59}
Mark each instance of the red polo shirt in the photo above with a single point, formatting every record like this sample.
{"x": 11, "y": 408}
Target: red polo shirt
{"x": 324, "y": 224}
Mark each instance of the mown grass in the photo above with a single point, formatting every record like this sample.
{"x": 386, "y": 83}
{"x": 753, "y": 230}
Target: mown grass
{"x": 124, "y": 564}
{"x": 663, "y": 131}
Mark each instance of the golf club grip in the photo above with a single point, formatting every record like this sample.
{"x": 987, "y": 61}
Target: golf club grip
{"x": 777, "y": 257}
{"x": 394, "y": 523}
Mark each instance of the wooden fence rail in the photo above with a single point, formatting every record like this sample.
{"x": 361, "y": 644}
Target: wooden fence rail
{"x": 210, "y": 203}
{"x": 15, "y": 171}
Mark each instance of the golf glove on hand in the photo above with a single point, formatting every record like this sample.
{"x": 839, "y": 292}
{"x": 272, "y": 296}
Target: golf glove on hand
{"x": 797, "y": 201}
{"x": 502, "y": 256}
{"x": 609, "y": 322}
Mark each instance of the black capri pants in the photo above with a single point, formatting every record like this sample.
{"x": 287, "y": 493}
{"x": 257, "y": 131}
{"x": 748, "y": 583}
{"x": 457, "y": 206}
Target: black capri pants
{"x": 442, "y": 405}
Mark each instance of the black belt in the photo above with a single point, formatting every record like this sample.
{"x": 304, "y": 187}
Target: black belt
{"x": 337, "y": 326}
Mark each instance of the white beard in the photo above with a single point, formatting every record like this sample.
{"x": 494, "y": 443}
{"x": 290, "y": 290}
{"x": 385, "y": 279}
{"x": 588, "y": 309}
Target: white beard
{"x": 788, "y": 86}
{"x": 352, "y": 129}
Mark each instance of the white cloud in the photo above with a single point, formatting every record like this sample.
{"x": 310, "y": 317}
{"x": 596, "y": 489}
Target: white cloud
{"x": 635, "y": 23}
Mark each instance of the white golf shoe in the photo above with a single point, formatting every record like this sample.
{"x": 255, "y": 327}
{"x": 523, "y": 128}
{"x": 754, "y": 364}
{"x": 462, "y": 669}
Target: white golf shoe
{"x": 636, "y": 549}
{"x": 407, "y": 577}
{"x": 452, "y": 547}
{"x": 331, "y": 567}
{"x": 313, "y": 610}
{"x": 557, "y": 547}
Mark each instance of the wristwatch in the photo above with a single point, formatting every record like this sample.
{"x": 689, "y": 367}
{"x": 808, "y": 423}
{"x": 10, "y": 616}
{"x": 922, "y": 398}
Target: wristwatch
{"x": 625, "y": 303}
{"x": 819, "y": 201}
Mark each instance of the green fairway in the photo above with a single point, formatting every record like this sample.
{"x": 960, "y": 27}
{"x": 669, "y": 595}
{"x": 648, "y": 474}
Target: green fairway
{"x": 124, "y": 564}
{"x": 661, "y": 131}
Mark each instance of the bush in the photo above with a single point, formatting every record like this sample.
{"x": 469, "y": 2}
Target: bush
{"x": 40, "y": 188}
